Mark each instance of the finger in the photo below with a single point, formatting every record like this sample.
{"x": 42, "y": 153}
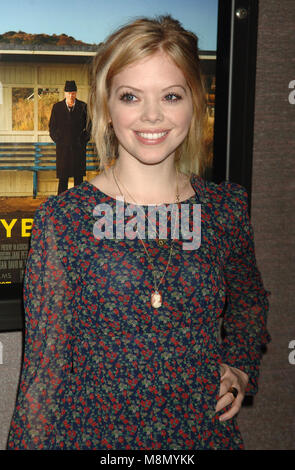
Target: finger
{"x": 227, "y": 398}
{"x": 225, "y": 384}
{"x": 234, "y": 409}
{"x": 223, "y": 370}
{"x": 223, "y": 402}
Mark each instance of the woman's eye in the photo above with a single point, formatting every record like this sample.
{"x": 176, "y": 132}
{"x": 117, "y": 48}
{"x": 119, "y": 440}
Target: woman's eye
{"x": 128, "y": 97}
{"x": 172, "y": 97}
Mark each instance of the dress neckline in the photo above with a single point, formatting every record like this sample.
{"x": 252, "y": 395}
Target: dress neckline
{"x": 100, "y": 193}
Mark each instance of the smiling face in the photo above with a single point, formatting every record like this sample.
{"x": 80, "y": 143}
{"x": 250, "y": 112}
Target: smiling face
{"x": 151, "y": 108}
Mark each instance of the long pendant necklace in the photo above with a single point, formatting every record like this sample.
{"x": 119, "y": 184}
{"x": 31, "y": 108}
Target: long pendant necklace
{"x": 156, "y": 296}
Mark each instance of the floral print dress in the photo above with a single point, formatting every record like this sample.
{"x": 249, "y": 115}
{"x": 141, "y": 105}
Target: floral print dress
{"x": 102, "y": 368}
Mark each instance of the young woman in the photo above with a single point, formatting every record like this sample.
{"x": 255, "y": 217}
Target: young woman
{"x": 122, "y": 332}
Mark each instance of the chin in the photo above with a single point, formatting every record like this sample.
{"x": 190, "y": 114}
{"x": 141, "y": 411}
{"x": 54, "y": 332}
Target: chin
{"x": 153, "y": 158}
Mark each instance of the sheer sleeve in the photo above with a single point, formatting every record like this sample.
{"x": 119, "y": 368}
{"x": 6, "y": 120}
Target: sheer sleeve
{"x": 38, "y": 414}
{"x": 244, "y": 321}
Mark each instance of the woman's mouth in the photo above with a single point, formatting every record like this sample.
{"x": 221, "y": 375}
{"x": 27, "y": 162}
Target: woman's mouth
{"x": 151, "y": 138}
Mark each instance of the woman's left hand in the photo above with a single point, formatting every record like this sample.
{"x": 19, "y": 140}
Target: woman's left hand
{"x": 231, "y": 377}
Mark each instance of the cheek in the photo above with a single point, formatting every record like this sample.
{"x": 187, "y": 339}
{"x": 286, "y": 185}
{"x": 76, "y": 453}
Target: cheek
{"x": 189, "y": 116}
{"x": 122, "y": 119}
{"x": 183, "y": 118}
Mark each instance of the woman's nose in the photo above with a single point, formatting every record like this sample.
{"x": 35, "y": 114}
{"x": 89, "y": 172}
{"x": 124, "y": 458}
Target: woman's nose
{"x": 152, "y": 111}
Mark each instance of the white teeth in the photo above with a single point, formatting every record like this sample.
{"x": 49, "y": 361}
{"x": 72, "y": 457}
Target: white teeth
{"x": 152, "y": 136}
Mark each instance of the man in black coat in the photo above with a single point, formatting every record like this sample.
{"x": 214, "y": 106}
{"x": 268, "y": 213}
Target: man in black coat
{"x": 68, "y": 129}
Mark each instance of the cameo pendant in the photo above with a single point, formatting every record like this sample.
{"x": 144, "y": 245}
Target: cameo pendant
{"x": 156, "y": 299}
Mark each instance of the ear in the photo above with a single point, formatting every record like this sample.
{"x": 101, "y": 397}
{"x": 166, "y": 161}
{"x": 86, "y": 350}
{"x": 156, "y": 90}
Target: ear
{"x": 108, "y": 118}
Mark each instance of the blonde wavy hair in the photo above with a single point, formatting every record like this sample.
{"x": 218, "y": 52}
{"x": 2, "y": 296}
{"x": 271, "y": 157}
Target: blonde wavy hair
{"x": 134, "y": 41}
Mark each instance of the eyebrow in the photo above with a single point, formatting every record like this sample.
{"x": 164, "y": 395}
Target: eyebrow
{"x": 137, "y": 89}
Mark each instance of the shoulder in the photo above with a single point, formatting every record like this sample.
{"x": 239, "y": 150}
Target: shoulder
{"x": 61, "y": 216}
{"x": 228, "y": 199}
{"x": 76, "y": 201}
{"x": 81, "y": 104}
{"x": 58, "y": 106}
{"x": 44, "y": 208}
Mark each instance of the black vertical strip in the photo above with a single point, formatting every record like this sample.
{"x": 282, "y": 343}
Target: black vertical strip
{"x": 238, "y": 103}
{"x": 243, "y": 93}
{"x": 222, "y": 90}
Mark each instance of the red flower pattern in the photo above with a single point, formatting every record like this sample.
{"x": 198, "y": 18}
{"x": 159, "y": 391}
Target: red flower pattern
{"x": 104, "y": 370}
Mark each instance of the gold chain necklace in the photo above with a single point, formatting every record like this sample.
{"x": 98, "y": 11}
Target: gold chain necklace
{"x": 156, "y": 296}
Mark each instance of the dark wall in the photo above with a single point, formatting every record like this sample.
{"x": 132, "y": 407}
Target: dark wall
{"x": 270, "y": 422}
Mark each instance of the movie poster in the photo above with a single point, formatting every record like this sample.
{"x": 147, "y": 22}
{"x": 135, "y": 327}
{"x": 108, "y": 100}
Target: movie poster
{"x": 43, "y": 44}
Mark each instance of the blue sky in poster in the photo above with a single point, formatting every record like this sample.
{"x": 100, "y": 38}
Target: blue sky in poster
{"x": 92, "y": 20}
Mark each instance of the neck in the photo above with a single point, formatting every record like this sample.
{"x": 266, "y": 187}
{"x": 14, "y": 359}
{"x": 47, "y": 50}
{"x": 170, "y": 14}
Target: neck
{"x": 147, "y": 184}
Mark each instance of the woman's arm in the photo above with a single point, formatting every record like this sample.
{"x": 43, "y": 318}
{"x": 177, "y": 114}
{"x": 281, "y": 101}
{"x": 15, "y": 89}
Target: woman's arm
{"x": 244, "y": 321}
{"x": 47, "y": 354}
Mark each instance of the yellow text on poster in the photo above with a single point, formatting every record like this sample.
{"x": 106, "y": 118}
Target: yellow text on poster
{"x": 25, "y": 227}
